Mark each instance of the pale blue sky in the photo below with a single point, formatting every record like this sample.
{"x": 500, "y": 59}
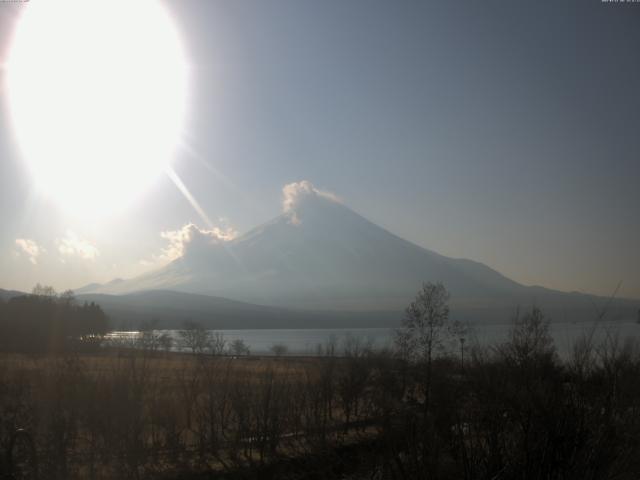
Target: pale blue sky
{"x": 505, "y": 132}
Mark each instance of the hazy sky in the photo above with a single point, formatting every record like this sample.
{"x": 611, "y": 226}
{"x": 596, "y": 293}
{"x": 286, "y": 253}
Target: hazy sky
{"x": 504, "y": 132}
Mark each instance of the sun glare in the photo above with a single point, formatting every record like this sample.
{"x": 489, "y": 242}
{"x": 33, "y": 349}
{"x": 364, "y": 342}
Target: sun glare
{"x": 97, "y": 93}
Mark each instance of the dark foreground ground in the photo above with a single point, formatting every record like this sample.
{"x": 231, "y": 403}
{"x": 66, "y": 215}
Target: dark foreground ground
{"x": 513, "y": 411}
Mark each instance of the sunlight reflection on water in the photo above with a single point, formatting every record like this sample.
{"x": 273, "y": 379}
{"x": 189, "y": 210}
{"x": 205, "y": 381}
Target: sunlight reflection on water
{"x": 306, "y": 341}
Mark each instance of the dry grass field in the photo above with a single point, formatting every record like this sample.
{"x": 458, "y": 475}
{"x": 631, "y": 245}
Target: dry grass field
{"x": 124, "y": 413}
{"x": 515, "y": 410}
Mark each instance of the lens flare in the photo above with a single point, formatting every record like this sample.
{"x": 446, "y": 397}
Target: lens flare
{"x": 97, "y": 95}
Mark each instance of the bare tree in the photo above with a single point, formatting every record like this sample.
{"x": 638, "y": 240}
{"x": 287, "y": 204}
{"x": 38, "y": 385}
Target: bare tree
{"x": 238, "y": 347}
{"x": 279, "y": 349}
{"x": 426, "y": 324}
{"x": 166, "y": 341}
{"x": 194, "y": 337}
{"x": 425, "y": 328}
{"x": 218, "y": 343}
{"x": 149, "y": 338}
{"x": 529, "y": 339}
{"x": 44, "y": 291}
{"x": 354, "y": 376}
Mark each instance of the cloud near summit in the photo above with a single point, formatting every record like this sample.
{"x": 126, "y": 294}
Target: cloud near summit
{"x": 191, "y": 240}
{"x": 294, "y": 193}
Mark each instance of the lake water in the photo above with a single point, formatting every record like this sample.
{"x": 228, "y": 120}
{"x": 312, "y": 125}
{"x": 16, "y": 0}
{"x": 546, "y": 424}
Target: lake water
{"x": 306, "y": 341}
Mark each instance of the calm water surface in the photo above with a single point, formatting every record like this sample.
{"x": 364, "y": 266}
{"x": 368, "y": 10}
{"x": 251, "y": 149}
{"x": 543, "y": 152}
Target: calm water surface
{"x": 306, "y": 341}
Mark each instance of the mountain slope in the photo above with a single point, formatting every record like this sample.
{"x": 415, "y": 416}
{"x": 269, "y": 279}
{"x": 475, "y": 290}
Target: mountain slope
{"x": 6, "y": 295}
{"x": 319, "y": 254}
{"x": 170, "y": 309}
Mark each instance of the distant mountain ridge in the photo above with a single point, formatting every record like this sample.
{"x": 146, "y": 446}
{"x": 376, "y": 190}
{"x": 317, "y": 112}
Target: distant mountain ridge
{"x": 320, "y": 255}
{"x": 171, "y": 309}
{"x": 166, "y": 309}
{"x": 6, "y": 295}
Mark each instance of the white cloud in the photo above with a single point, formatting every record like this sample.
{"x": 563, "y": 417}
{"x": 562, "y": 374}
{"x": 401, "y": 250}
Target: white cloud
{"x": 195, "y": 242}
{"x": 74, "y": 246}
{"x": 190, "y": 237}
{"x": 294, "y": 193}
{"x": 30, "y": 248}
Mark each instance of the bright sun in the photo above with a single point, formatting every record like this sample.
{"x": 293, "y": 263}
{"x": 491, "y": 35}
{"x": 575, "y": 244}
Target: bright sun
{"x": 97, "y": 92}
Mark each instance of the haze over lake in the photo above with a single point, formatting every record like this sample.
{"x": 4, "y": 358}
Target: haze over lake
{"x": 307, "y": 341}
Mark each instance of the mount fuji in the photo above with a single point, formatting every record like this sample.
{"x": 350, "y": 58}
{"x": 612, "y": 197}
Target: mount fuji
{"x": 320, "y": 255}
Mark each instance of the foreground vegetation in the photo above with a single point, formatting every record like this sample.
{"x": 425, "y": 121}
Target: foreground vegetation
{"x": 426, "y": 409}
